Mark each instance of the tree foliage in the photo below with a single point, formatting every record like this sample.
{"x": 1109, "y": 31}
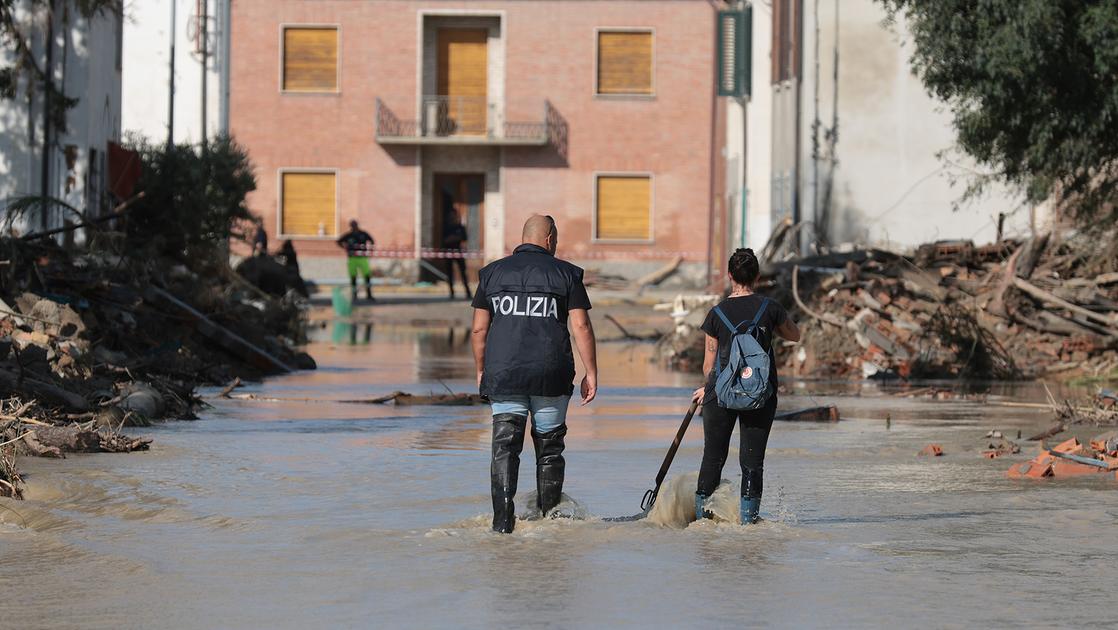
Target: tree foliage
{"x": 1032, "y": 86}
{"x": 194, "y": 198}
{"x": 19, "y": 67}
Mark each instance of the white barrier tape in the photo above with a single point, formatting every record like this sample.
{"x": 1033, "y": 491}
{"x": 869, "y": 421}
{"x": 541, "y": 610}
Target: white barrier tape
{"x": 476, "y": 255}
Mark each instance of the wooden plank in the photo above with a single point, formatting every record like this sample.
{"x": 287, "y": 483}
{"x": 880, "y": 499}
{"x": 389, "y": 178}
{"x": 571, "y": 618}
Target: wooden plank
{"x": 310, "y": 59}
{"x": 463, "y": 77}
{"x": 624, "y": 208}
{"x": 309, "y": 204}
{"x": 624, "y": 62}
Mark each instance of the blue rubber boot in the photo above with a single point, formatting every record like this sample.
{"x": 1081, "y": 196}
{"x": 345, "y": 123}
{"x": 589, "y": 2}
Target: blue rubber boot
{"x": 700, "y": 507}
{"x": 750, "y": 508}
{"x": 751, "y": 495}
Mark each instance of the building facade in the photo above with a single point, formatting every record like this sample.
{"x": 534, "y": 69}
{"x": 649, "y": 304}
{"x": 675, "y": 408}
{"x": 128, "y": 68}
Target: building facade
{"x": 399, "y": 112}
{"x": 842, "y": 137}
{"x": 70, "y": 163}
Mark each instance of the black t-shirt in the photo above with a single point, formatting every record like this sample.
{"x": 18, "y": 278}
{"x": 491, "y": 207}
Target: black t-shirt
{"x": 454, "y": 235}
{"x": 738, "y": 310}
{"x": 356, "y": 242}
{"x": 528, "y": 350}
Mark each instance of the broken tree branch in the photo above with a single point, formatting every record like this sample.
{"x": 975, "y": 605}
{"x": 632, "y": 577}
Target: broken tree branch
{"x": 826, "y": 318}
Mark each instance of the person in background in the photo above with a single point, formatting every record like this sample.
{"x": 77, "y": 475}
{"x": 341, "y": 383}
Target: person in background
{"x": 741, "y": 307}
{"x": 522, "y": 351}
{"x": 287, "y": 254}
{"x": 454, "y": 240}
{"x": 357, "y": 245}
{"x": 259, "y": 238}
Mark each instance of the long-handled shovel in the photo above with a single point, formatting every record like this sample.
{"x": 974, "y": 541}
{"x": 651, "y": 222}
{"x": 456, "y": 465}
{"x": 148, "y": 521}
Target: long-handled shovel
{"x": 650, "y": 496}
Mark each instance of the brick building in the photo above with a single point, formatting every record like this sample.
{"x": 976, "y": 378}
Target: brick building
{"x": 601, "y": 113}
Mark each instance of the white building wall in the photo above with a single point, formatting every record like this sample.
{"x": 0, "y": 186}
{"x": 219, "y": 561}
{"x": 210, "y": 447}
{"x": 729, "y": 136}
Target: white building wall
{"x": 890, "y": 186}
{"x": 759, "y": 136}
{"x": 147, "y": 69}
{"x": 749, "y": 137}
{"x": 86, "y": 67}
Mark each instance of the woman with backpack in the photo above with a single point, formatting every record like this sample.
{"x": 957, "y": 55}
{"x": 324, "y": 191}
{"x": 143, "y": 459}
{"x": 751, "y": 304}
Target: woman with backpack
{"x": 741, "y": 383}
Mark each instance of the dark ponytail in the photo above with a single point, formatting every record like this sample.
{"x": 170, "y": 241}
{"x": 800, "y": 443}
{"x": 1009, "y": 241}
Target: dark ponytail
{"x": 744, "y": 267}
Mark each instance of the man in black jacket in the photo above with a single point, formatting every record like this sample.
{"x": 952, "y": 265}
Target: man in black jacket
{"x": 454, "y": 240}
{"x": 522, "y": 350}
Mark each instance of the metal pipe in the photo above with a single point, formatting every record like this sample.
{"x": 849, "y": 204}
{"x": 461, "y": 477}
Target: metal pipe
{"x": 48, "y": 89}
{"x": 171, "y": 83}
{"x": 226, "y": 51}
{"x": 204, "y": 35}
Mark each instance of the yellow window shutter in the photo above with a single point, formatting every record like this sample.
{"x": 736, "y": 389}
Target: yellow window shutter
{"x": 309, "y": 204}
{"x": 624, "y": 62}
{"x": 310, "y": 59}
{"x": 624, "y": 208}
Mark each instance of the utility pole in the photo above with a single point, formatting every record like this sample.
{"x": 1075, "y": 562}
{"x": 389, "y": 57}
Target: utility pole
{"x": 48, "y": 89}
{"x": 171, "y": 85}
{"x": 204, "y": 36}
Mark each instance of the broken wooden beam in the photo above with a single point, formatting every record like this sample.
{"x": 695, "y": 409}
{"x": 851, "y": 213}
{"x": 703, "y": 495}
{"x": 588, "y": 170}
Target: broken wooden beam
{"x": 829, "y": 413}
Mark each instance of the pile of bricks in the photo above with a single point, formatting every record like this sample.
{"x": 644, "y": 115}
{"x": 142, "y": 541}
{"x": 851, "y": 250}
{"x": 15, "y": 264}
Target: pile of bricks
{"x": 1011, "y": 310}
{"x": 1072, "y": 459}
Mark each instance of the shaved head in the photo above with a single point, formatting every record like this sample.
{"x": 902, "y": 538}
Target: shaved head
{"x": 540, "y": 230}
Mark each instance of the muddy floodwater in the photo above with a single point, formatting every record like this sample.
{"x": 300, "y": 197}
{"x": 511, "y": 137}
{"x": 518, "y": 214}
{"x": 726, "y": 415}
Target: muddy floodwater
{"x": 306, "y": 513}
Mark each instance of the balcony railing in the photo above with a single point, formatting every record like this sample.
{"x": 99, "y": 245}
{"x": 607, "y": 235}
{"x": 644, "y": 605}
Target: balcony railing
{"x": 469, "y": 120}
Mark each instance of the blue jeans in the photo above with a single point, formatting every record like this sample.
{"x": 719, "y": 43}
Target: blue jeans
{"x": 548, "y": 412}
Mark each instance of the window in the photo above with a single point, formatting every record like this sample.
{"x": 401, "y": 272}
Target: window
{"x": 624, "y": 208}
{"x": 625, "y": 62}
{"x": 310, "y": 59}
{"x": 307, "y": 204}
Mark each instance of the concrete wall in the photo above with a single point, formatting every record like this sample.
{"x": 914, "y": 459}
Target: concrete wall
{"x": 147, "y": 68}
{"x": 889, "y": 186}
{"x": 546, "y": 50}
{"x": 86, "y": 57}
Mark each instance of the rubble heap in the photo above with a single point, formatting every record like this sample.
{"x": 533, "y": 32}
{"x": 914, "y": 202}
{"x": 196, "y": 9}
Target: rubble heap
{"x": 1072, "y": 459}
{"x": 92, "y": 342}
{"x": 1009, "y": 310}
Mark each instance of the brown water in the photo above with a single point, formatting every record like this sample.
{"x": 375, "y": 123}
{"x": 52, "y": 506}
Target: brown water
{"x": 318, "y": 514}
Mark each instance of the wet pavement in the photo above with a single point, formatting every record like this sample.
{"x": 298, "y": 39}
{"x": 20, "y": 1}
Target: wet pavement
{"x": 312, "y": 513}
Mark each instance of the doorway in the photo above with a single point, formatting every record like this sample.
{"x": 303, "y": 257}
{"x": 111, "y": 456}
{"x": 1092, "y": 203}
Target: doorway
{"x": 461, "y": 195}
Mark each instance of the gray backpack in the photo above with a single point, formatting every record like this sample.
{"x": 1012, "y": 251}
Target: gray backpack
{"x": 733, "y": 388}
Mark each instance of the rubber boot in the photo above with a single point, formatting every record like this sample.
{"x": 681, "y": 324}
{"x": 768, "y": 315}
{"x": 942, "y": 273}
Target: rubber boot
{"x": 353, "y": 288}
{"x": 508, "y": 441}
{"x": 700, "y": 507}
{"x": 751, "y": 483}
{"x": 550, "y": 467}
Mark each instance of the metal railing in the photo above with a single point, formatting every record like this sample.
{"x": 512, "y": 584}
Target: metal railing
{"x": 455, "y": 115}
{"x": 461, "y": 118}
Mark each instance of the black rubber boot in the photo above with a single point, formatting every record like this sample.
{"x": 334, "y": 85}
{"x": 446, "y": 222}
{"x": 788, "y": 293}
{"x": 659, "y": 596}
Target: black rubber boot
{"x": 751, "y": 483}
{"x": 508, "y": 441}
{"x": 550, "y": 467}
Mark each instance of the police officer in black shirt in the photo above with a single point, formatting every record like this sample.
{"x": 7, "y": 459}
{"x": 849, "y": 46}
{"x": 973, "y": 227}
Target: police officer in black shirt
{"x": 525, "y": 365}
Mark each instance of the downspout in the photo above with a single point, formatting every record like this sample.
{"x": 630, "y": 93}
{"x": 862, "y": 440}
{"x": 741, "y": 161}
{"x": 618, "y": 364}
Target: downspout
{"x": 713, "y": 168}
{"x": 227, "y": 50}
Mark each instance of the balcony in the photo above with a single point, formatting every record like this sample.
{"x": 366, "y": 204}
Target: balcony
{"x": 470, "y": 121}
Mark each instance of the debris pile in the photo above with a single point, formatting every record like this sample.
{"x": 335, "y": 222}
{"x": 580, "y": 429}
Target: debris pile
{"x": 1072, "y": 459}
{"x": 1009, "y": 310}
{"x": 93, "y": 342}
